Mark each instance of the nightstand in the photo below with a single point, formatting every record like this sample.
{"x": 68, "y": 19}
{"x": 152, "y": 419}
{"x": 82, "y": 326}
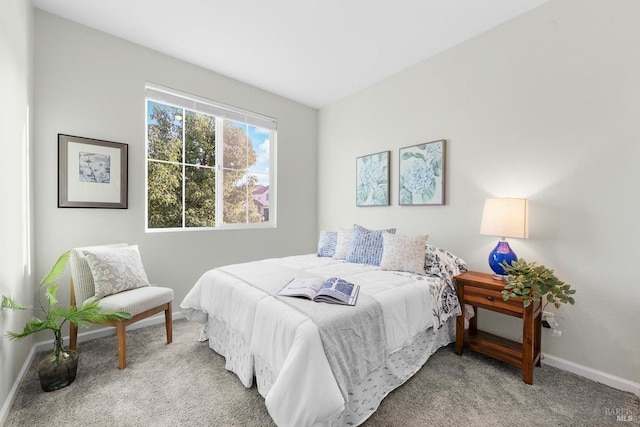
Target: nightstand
{"x": 481, "y": 290}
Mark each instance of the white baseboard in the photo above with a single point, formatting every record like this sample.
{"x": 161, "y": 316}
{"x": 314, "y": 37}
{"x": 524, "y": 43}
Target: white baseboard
{"x": 82, "y": 337}
{"x": 4, "y": 411}
{"x": 592, "y": 374}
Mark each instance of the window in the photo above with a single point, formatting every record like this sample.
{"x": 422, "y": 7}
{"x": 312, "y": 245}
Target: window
{"x": 208, "y": 165}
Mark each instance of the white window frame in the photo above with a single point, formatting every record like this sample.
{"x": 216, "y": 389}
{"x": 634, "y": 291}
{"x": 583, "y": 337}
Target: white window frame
{"x": 221, "y": 112}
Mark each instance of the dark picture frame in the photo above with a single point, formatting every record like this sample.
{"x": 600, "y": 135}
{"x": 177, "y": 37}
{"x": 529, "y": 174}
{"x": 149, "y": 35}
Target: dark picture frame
{"x": 92, "y": 173}
{"x": 372, "y": 179}
{"x": 422, "y": 174}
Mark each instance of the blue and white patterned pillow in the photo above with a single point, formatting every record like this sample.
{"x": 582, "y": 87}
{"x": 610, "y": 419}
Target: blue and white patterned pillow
{"x": 440, "y": 262}
{"x": 327, "y": 243}
{"x": 367, "y": 245}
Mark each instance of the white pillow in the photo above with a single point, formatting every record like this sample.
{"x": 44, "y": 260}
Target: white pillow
{"x": 403, "y": 253}
{"x": 116, "y": 270}
{"x": 343, "y": 243}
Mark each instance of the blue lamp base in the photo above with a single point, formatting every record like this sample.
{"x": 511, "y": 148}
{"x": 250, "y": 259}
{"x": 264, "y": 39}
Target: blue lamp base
{"x": 502, "y": 252}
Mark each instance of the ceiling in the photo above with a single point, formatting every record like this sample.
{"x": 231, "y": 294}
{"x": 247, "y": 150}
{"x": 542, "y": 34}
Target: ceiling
{"x": 311, "y": 51}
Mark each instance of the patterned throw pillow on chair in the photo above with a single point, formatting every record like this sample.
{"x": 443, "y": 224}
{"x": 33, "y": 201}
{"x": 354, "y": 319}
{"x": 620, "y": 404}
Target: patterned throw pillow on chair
{"x": 116, "y": 270}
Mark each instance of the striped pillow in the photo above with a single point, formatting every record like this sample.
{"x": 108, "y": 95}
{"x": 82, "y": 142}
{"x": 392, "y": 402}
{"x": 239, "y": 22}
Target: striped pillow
{"x": 367, "y": 245}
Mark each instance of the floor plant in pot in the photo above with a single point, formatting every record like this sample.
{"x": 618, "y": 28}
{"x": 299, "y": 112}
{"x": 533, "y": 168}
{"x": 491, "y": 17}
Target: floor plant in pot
{"x": 58, "y": 370}
{"x": 533, "y": 282}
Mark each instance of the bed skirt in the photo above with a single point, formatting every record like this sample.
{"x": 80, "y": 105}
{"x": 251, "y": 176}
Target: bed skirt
{"x": 364, "y": 400}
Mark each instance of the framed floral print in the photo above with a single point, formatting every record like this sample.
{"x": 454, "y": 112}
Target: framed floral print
{"x": 372, "y": 179}
{"x": 422, "y": 174}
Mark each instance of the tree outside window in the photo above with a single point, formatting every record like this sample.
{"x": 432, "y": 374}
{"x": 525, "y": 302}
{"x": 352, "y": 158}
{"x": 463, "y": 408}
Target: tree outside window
{"x": 186, "y": 156}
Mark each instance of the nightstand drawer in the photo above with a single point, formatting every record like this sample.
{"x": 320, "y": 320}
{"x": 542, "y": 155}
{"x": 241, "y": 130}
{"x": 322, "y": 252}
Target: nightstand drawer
{"x": 491, "y": 299}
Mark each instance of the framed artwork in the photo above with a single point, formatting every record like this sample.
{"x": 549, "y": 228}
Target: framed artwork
{"x": 422, "y": 174}
{"x": 372, "y": 179}
{"x": 91, "y": 173}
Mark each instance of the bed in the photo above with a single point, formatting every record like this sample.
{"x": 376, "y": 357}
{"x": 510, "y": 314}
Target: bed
{"x": 319, "y": 364}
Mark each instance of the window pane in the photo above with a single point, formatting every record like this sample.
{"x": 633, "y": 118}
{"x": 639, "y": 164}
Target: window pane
{"x": 200, "y": 188}
{"x": 234, "y": 207}
{"x": 200, "y": 139}
{"x": 260, "y": 196}
{"x": 164, "y": 132}
{"x": 164, "y": 194}
{"x": 245, "y": 201}
{"x": 238, "y": 152}
{"x": 246, "y": 147}
{"x": 261, "y": 141}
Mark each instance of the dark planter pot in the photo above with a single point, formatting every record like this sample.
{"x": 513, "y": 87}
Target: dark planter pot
{"x": 56, "y": 374}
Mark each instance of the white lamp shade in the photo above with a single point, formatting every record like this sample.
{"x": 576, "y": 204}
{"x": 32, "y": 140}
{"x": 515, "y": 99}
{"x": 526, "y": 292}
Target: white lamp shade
{"x": 506, "y": 218}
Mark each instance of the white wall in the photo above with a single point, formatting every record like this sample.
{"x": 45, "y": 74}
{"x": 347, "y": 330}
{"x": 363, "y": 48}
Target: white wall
{"x": 16, "y": 101}
{"x": 91, "y": 84}
{"x": 545, "y": 107}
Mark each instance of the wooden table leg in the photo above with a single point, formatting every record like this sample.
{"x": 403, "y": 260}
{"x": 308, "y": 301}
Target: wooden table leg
{"x": 460, "y": 334}
{"x": 528, "y": 334}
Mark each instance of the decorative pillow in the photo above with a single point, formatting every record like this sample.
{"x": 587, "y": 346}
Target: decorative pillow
{"x": 403, "y": 253}
{"x": 327, "y": 243}
{"x": 343, "y": 243}
{"x": 116, "y": 270}
{"x": 441, "y": 262}
{"x": 366, "y": 245}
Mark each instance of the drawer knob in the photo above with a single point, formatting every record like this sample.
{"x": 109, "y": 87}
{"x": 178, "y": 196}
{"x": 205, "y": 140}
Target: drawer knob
{"x": 490, "y": 298}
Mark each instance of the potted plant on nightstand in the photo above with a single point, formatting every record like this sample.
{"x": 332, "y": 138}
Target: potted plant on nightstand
{"x": 59, "y": 368}
{"x": 534, "y": 282}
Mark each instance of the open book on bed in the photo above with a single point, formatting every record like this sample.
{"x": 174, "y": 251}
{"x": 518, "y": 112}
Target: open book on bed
{"x": 333, "y": 290}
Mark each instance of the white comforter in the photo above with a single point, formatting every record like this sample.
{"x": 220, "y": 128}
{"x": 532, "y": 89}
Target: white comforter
{"x": 302, "y": 390}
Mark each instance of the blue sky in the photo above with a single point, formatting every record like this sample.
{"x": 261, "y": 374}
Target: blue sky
{"x": 262, "y": 145}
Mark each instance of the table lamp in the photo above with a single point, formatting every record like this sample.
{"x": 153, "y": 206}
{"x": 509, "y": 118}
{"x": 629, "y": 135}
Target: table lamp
{"x": 504, "y": 218}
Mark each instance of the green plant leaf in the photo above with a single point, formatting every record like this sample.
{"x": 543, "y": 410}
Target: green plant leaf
{"x": 57, "y": 270}
{"x": 12, "y": 304}
{"x": 51, "y": 295}
{"x": 536, "y": 282}
{"x": 33, "y": 326}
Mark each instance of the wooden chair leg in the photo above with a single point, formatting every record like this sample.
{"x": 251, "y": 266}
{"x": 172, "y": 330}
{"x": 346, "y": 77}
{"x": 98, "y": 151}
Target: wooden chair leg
{"x": 168, "y": 324}
{"x": 122, "y": 345}
{"x": 73, "y": 329}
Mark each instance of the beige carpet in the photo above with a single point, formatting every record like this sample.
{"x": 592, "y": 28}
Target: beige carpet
{"x": 185, "y": 384}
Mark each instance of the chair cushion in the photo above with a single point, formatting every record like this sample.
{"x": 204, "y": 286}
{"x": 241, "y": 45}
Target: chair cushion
{"x": 138, "y": 300}
{"x": 116, "y": 270}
